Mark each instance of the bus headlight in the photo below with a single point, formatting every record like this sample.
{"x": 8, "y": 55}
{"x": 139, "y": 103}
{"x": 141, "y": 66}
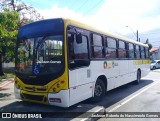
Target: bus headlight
{"x": 54, "y": 89}
{"x": 57, "y": 87}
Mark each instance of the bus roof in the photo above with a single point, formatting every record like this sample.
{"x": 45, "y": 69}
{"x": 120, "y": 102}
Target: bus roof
{"x": 87, "y": 27}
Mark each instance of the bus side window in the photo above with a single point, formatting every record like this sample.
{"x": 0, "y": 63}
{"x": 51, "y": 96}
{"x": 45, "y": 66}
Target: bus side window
{"x": 122, "y": 52}
{"x": 146, "y": 53}
{"x": 142, "y": 52}
{"x": 137, "y": 50}
{"x": 78, "y": 51}
{"x": 111, "y": 48}
{"x": 97, "y": 46}
{"x": 81, "y": 49}
{"x": 131, "y": 50}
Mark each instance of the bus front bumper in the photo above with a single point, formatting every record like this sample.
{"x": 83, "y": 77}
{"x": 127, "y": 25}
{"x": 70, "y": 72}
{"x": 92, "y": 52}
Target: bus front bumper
{"x": 60, "y": 99}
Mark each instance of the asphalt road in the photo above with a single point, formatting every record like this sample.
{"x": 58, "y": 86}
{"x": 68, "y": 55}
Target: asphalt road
{"x": 144, "y": 97}
{"x": 134, "y": 99}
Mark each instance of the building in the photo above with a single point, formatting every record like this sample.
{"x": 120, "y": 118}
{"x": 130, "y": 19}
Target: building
{"x": 155, "y": 53}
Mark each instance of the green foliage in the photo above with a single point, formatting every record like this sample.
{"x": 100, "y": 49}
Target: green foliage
{"x": 149, "y": 45}
{"x": 8, "y": 32}
{"x": 6, "y": 76}
{"x": 13, "y": 15}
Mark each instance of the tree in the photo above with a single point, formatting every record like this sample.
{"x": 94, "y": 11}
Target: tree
{"x": 149, "y": 44}
{"x": 8, "y": 34}
{"x": 13, "y": 15}
{"x": 26, "y": 13}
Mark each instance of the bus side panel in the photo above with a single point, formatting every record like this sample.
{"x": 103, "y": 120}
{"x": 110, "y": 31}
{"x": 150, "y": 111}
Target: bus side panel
{"x": 62, "y": 97}
{"x": 123, "y": 73}
{"x": 80, "y": 93}
{"x": 146, "y": 68}
{"x": 127, "y": 72}
{"x": 80, "y": 84}
{"x": 132, "y": 70}
{"x": 143, "y": 65}
{"x": 109, "y": 68}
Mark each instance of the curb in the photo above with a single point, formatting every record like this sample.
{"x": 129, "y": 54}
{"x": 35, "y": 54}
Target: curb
{"x": 6, "y": 82}
{"x": 89, "y": 115}
{"x": 156, "y": 71}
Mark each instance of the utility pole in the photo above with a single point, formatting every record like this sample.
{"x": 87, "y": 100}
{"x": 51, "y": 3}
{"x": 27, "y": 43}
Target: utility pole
{"x": 138, "y": 39}
{"x": 136, "y": 34}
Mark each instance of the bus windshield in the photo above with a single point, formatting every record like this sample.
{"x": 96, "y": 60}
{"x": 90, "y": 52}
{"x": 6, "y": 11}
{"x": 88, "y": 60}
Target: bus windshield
{"x": 40, "y": 55}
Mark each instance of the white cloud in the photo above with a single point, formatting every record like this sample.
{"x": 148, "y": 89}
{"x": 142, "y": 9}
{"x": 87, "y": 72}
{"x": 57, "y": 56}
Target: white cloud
{"x": 57, "y": 12}
{"x": 114, "y": 15}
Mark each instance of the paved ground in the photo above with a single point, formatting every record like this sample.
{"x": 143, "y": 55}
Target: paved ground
{"x": 8, "y": 103}
{"x": 6, "y": 92}
{"x": 144, "y": 97}
{"x": 144, "y": 100}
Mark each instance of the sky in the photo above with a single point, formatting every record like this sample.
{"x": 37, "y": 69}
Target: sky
{"x": 108, "y": 15}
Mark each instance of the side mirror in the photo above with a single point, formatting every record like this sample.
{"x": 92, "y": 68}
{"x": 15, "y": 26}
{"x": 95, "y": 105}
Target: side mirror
{"x": 79, "y": 38}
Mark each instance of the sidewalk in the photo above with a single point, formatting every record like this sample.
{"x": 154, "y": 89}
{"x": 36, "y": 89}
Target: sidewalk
{"x": 156, "y": 70}
{"x": 5, "y": 82}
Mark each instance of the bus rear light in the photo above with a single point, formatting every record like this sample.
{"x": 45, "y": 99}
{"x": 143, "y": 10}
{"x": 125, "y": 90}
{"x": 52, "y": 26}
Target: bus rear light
{"x": 57, "y": 100}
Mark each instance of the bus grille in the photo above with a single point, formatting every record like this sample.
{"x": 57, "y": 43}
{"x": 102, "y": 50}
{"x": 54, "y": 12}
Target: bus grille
{"x": 38, "y": 89}
{"x": 32, "y": 97}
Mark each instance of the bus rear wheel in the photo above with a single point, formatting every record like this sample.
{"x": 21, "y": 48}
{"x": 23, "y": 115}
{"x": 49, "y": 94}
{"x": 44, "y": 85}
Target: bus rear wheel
{"x": 138, "y": 77}
{"x": 99, "y": 91}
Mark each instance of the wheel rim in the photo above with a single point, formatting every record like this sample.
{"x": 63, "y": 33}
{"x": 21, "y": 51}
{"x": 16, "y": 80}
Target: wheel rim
{"x": 98, "y": 90}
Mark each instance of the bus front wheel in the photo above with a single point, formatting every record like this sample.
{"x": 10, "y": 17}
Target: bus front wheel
{"x": 99, "y": 91}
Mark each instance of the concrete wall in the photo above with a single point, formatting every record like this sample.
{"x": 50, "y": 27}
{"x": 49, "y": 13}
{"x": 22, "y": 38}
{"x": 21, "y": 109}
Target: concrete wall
{"x": 8, "y": 67}
{"x": 156, "y": 55}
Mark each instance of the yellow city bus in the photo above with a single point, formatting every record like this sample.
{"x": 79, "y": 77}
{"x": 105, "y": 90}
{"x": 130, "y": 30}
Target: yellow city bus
{"x": 62, "y": 62}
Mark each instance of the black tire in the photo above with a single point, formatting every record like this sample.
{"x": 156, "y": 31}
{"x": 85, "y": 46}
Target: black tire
{"x": 154, "y": 67}
{"x": 99, "y": 91}
{"x": 138, "y": 77}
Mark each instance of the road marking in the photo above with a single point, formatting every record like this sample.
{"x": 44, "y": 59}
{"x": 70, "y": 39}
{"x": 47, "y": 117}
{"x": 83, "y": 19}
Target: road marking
{"x": 121, "y": 104}
{"x": 88, "y": 114}
{"x": 5, "y": 83}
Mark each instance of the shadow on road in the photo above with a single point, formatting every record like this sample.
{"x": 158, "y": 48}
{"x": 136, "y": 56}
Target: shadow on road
{"x": 120, "y": 93}
{"x": 3, "y": 95}
{"x": 22, "y": 106}
{"x": 49, "y": 113}
{"x": 111, "y": 98}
